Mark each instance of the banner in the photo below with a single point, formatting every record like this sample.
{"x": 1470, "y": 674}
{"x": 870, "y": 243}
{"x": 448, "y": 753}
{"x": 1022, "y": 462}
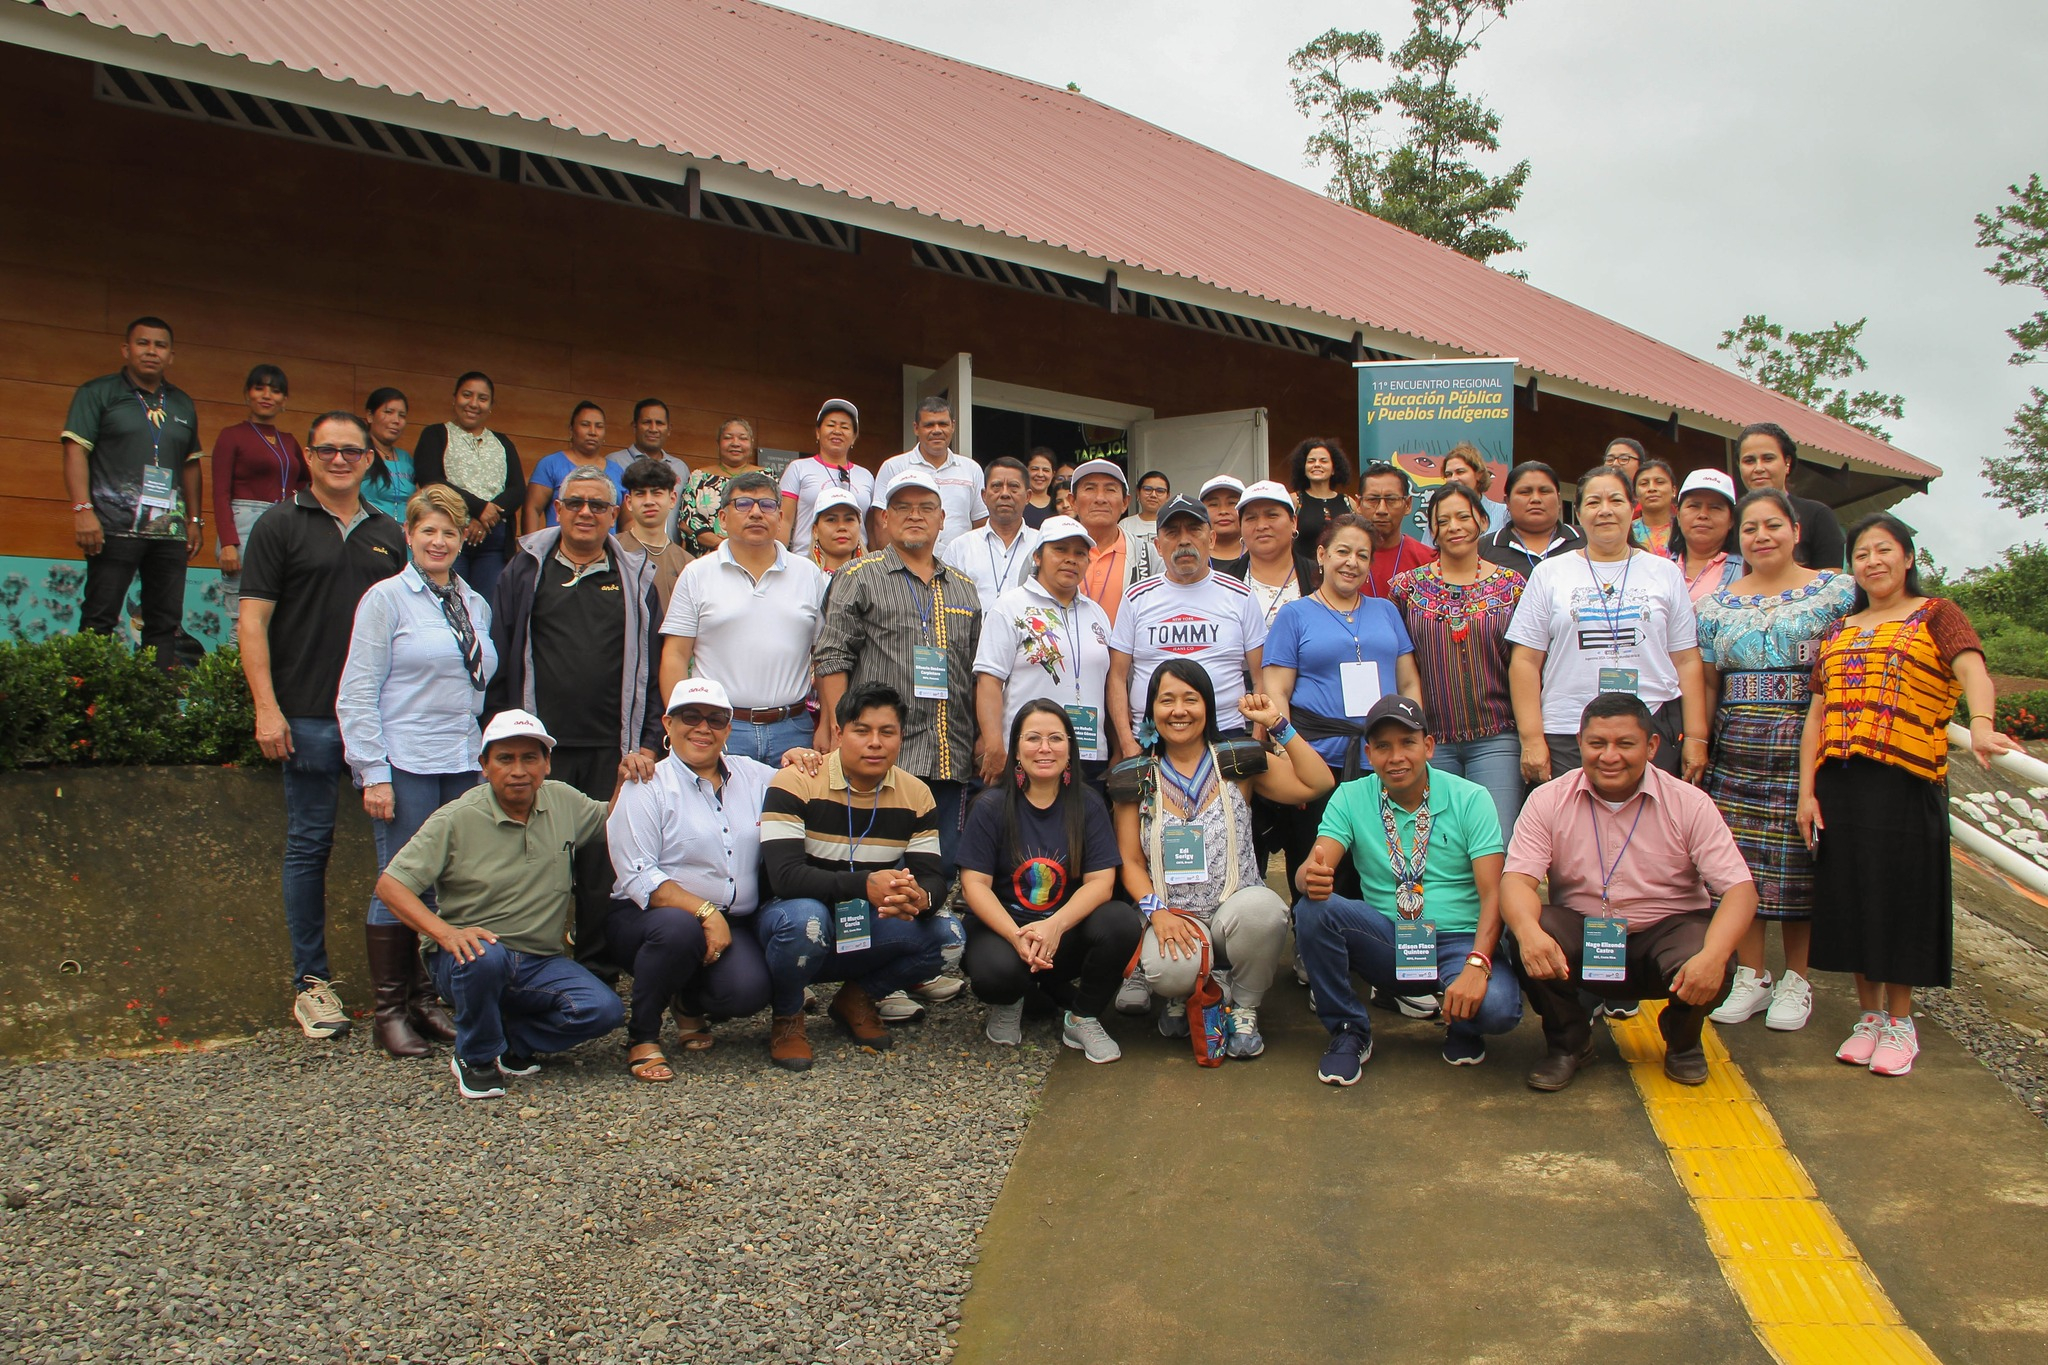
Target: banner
{"x": 1412, "y": 413}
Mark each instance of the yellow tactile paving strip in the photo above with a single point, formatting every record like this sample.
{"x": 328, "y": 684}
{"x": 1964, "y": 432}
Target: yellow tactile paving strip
{"x": 1800, "y": 1278}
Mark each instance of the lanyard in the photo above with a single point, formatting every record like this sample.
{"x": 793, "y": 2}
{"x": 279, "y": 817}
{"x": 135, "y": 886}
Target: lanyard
{"x": 853, "y": 844}
{"x": 1372, "y": 558}
{"x": 1109, "y": 571}
{"x": 1278, "y": 593}
{"x": 1003, "y": 573}
{"x": 1407, "y": 868}
{"x": 1607, "y": 873}
{"x": 153, "y": 414}
{"x": 1612, "y": 596}
{"x": 1072, "y": 630}
{"x": 1194, "y": 791}
{"x": 1350, "y": 623}
{"x": 284, "y": 463}
{"x": 929, "y": 606}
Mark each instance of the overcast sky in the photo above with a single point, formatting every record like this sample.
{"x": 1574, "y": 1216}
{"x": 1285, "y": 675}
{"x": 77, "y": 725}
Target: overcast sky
{"x": 1814, "y": 161}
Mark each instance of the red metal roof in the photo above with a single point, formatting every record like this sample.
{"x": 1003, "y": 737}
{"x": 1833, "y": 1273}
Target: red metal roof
{"x": 821, "y": 105}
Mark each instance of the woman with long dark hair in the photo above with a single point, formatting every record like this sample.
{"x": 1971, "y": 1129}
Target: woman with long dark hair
{"x": 484, "y": 468}
{"x": 1656, "y": 488}
{"x": 389, "y": 485}
{"x": 1320, "y": 474}
{"x": 1038, "y": 862}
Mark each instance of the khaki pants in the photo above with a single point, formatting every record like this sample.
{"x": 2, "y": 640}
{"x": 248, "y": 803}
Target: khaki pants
{"x": 1248, "y": 932}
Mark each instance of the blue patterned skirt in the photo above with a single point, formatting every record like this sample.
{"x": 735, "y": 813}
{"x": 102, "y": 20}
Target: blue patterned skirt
{"x": 1754, "y": 781}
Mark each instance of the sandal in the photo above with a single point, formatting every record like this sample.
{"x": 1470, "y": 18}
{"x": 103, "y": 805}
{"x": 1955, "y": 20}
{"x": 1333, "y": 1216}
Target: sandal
{"x": 693, "y": 1032}
{"x": 653, "y": 1067}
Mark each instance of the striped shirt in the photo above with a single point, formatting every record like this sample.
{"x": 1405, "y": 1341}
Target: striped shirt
{"x": 1889, "y": 690}
{"x": 820, "y": 839}
{"x": 1460, "y": 633}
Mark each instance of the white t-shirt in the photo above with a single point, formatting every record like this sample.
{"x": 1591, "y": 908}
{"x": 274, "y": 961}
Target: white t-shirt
{"x": 1215, "y": 622}
{"x": 994, "y": 567}
{"x": 810, "y": 476}
{"x": 960, "y": 483}
{"x": 1582, "y": 629}
{"x": 1273, "y": 596}
{"x": 1020, "y": 632}
{"x": 753, "y": 639}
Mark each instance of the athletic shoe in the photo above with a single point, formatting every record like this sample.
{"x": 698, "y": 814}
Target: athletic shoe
{"x": 1174, "y": 1022}
{"x": 1791, "y": 1003}
{"x": 1862, "y": 1040}
{"x": 936, "y": 991}
{"x": 1410, "y": 1006}
{"x": 1898, "y": 1043}
{"x": 518, "y": 1064}
{"x": 1088, "y": 1037}
{"x": 811, "y": 1005}
{"x": 1300, "y": 967}
{"x": 1005, "y": 1025}
{"x": 319, "y": 1011}
{"x": 476, "y": 1082}
{"x": 1344, "y": 1058}
{"x": 898, "y": 1008}
{"x": 1245, "y": 1042}
{"x": 1750, "y": 993}
{"x": 1134, "y": 996}
{"x": 1621, "y": 1009}
{"x": 1464, "y": 1049}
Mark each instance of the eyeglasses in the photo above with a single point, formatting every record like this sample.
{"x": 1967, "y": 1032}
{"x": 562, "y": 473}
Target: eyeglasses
{"x": 585, "y": 504}
{"x": 690, "y": 718}
{"x": 1383, "y": 499}
{"x": 353, "y": 454}
{"x": 752, "y": 504}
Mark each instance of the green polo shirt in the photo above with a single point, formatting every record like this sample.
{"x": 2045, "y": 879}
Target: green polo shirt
{"x": 488, "y": 871}
{"x": 1463, "y": 825}
{"x": 124, "y": 430}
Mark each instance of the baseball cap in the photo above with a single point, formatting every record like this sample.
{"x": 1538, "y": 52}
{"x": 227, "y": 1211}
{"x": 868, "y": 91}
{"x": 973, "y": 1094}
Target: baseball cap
{"x": 1226, "y": 481}
{"x": 1064, "y": 528}
{"x": 913, "y": 477}
{"x": 831, "y": 498}
{"x": 516, "y": 725}
{"x": 1708, "y": 481}
{"x": 1405, "y": 711}
{"x": 838, "y": 405}
{"x": 1265, "y": 490}
{"x": 698, "y": 692}
{"x": 1183, "y": 506}
{"x": 1109, "y": 467}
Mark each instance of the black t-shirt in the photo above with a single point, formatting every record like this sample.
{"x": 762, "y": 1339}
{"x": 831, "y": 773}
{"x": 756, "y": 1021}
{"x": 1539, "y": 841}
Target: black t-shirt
{"x": 579, "y": 653}
{"x": 297, "y": 558}
{"x": 1045, "y": 877}
{"x": 1820, "y": 535}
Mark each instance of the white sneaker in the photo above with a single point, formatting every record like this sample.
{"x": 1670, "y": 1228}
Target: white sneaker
{"x": 1134, "y": 996}
{"x": 1245, "y": 1041}
{"x": 1750, "y": 993}
{"x": 319, "y": 1010}
{"x": 898, "y": 1008}
{"x": 1088, "y": 1037}
{"x": 939, "y": 989}
{"x": 1300, "y": 968}
{"x": 1174, "y": 1022}
{"x": 1791, "y": 1003}
{"x": 1005, "y": 1026}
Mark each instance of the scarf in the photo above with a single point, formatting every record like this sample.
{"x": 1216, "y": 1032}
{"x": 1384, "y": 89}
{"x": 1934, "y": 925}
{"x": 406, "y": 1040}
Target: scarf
{"x": 457, "y": 616}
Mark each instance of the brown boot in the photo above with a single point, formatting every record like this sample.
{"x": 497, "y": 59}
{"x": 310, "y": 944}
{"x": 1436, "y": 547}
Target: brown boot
{"x": 788, "y": 1048}
{"x": 390, "y": 979}
{"x": 857, "y": 1015}
{"x": 423, "y": 1001}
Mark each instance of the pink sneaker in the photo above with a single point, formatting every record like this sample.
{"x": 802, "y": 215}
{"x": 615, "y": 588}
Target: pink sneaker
{"x": 1862, "y": 1040}
{"x": 1898, "y": 1045}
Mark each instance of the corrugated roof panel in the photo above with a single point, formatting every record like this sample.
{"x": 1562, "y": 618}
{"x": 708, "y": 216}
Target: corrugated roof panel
{"x": 821, "y": 105}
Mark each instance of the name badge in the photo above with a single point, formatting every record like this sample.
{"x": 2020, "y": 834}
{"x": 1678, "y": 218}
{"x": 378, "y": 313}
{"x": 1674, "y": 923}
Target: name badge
{"x": 1087, "y": 727}
{"x": 1182, "y": 853}
{"x": 928, "y": 673}
{"x": 1606, "y": 951}
{"x": 853, "y": 926}
{"x": 1414, "y": 950}
{"x": 1618, "y": 680}
{"x": 158, "y": 496}
{"x": 1361, "y": 683}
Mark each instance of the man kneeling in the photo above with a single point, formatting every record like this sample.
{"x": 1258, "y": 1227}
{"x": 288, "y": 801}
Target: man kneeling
{"x": 1427, "y": 848}
{"x": 500, "y": 861}
{"x": 1636, "y": 859}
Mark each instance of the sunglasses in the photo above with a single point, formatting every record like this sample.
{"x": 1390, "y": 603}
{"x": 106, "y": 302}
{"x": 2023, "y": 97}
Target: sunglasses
{"x": 585, "y": 504}
{"x": 690, "y": 718}
{"x": 353, "y": 454}
{"x": 752, "y": 504}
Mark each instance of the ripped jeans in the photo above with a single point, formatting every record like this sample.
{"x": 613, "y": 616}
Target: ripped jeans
{"x": 796, "y": 939}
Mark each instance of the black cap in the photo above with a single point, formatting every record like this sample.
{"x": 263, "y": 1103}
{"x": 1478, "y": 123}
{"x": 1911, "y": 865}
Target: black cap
{"x": 1183, "y": 506}
{"x": 1405, "y": 711}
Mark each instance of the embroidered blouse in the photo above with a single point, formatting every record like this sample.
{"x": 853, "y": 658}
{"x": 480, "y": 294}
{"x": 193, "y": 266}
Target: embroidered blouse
{"x": 1889, "y": 690}
{"x": 1461, "y": 647}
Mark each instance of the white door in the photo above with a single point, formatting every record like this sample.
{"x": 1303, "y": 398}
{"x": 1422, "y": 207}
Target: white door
{"x": 1192, "y": 450}
{"x": 954, "y": 382}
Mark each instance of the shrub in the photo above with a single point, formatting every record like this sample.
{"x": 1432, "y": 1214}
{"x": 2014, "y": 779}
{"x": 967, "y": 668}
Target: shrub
{"x": 2023, "y": 715}
{"x": 91, "y": 699}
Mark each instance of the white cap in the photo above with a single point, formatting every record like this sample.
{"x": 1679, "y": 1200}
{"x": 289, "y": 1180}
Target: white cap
{"x": 913, "y": 477}
{"x": 1064, "y": 528}
{"x": 1109, "y": 467}
{"x": 1708, "y": 481}
{"x": 1225, "y": 481}
{"x": 834, "y": 497}
{"x": 833, "y": 405}
{"x": 517, "y": 725}
{"x": 1265, "y": 490}
{"x": 698, "y": 692}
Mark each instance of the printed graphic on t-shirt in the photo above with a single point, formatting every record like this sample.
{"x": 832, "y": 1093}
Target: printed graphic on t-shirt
{"x": 1183, "y": 633}
{"x": 1609, "y": 625}
{"x": 1039, "y": 884}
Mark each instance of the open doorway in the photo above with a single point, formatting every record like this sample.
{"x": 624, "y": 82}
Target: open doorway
{"x": 1001, "y": 431}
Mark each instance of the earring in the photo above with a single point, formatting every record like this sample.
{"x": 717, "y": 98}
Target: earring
{"x": 1022, "y": 781}
{"x": 1067, "y": 777}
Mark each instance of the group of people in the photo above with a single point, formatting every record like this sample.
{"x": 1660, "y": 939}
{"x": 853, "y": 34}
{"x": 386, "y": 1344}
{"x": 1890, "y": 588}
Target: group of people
{"x": 738, "y": 735}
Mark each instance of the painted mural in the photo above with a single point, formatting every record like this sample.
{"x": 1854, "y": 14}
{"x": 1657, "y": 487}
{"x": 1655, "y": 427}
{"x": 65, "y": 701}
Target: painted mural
{"x": 40, "y": 598}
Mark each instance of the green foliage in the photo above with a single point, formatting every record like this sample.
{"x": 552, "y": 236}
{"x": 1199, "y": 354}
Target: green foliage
{"x": 1807, "y": 366}
{"x": 2018, "y": 232}
{"x": 2014, "y": 590}
{"x": 1418, "y": 174}
{"x": 2023, "y": 715}
{"x": 90, "y": 699}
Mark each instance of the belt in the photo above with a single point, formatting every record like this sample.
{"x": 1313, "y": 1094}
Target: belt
{"x": 770, "y": 715}
{"x": 1767, "y": 685}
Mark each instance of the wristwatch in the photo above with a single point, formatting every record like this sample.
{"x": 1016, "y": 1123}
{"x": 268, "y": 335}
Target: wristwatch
{"x": 705, "y": 910}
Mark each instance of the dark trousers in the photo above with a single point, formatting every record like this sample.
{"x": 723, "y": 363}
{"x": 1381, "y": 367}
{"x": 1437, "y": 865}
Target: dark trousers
{"x": 1296, "y": 828}
{"x": 1087, "y": 967}
{"x": 161, "y": 563}
{"x": 663, "y": 949}
{"x": 312, "y": 799}
{"x": 594, "y": 771}
{"x": 952, "y": 800}
{"x": 507, "y": 1001}
{"x": 1655, "y": 953}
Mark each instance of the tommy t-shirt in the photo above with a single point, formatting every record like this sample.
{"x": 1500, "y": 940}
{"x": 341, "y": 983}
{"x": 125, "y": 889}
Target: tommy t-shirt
{"x": 810, "y": 476}
{"x": 1316, "y": 641}
{"x": 1045, "y": 871}
{"x": 1604, "y": 627}
{"x": 1214, "y": 622}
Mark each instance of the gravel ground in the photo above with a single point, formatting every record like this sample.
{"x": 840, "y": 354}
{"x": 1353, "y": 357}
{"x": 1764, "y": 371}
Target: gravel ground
{"x": 2014, "y": 1053}
{"x": 293, "y": 1201}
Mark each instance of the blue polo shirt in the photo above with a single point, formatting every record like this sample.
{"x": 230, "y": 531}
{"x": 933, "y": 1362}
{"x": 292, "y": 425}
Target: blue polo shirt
{"x": 1463, "y": 826}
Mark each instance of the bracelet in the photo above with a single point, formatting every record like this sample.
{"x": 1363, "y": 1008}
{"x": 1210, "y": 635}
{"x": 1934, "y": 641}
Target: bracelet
{"x": 1282, "y": 733}
{"x": 197, "y": 521}
{"x": 1694, "y": 739}
{"x": 1150, "y": 905}
{"x": 1481, "y": 961}
{"x": 81, "y": 507}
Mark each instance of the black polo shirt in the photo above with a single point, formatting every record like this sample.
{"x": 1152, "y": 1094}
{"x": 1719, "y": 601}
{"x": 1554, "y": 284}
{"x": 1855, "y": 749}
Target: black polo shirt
{"x": 298, "y": 557}
{"x": 578, "y": 638}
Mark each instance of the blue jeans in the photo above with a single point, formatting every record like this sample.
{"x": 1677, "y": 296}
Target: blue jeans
{"x": 663, "y": 947}
{"x": 768, "y": 743}
{"x": 796, "y": 938}
{"x": 480, "y": 564}
{"x": 312, "y": 797}
{"x": 1338, "y": 937}
{"x": 519, "y": 1002}
{"x": 1495, "y": 763}
{"x": 414, "y": 796}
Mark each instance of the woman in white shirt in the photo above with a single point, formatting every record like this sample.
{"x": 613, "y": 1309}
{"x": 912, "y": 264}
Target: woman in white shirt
{"x": 419, "y": 659}
{"x": 1608, "y": 617}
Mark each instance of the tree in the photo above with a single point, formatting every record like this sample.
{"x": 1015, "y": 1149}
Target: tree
{"x": 2018, "y": 232}
{"x": 1417, "y": 174}
{"x": 1806, "y": 366}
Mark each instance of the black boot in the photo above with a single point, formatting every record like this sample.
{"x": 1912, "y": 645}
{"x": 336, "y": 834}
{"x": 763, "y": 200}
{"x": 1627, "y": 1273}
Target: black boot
{"x": 423, "y": 1001}
{"x": 394, "y": 953}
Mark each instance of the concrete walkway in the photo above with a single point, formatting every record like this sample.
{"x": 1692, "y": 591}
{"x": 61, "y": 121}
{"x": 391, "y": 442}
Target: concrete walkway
{"x": 1157, "y": 1212}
